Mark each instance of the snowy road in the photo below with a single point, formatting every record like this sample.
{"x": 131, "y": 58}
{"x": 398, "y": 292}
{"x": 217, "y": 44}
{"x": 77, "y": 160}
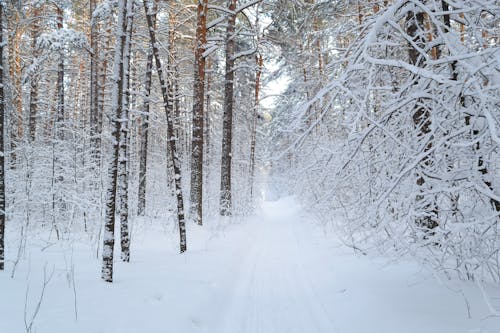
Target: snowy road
{"x": 274, "y": 292}
{"x": 273, "y": 273}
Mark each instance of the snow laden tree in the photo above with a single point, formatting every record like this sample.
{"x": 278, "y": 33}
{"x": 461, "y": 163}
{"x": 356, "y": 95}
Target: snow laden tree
{"x": 411, "y": 159}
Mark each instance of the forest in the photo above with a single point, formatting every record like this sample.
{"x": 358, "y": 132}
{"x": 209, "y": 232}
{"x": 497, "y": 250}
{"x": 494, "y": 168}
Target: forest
{"x": 250, "y": 166}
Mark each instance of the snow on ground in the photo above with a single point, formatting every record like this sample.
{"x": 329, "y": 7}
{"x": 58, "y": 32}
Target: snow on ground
{"x": 273, "y": 273}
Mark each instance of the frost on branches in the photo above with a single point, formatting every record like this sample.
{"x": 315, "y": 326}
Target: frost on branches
{"x": 411, "y": 160}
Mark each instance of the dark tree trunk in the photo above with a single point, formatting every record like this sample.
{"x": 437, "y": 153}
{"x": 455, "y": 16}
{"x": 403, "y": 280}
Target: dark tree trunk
{"x": 94, "y": 88}
{"x": 227, "y": 126}
{"x": 60, "y": 82}
{"x": 253, "y": 139}
{"x": 172, "y": 150}
{"x": 422, "y": 122}
{"x": 198, "y": 113}
{"x": 35, "y": 33}
{"x": 58, "y": 134}
{"x": 143, "y": 151}
{"x": 481, "y": 164}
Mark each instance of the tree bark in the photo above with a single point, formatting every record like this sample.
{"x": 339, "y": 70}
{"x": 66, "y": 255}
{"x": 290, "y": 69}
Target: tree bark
{"x": 123, "y": 164}
{"x": 227, "y": 127}
{"x": 109, "y": 226}
{"x": 144, "y": 129}
{"x": 171, "y": 138}
{"x": 422, "y": 122}
{"x": 94, "y": 87}
{"x": 143, "y": 150}
{"x": 35, "y": 33}
{"x": 60, "y": 81}
{"x": 2, "y": 148}
{"x": 198, "y": 115}
{"x": 259, "y": 61}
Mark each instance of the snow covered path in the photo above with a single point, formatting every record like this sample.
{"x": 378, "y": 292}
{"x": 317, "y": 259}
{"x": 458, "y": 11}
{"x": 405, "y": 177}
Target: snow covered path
{"x": 273, "y": 273}
{"x": 274, "y": 292}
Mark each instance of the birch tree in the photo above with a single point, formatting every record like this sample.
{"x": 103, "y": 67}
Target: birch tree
{"x": 117, "y": 112}
{"x": 123, "y": 163}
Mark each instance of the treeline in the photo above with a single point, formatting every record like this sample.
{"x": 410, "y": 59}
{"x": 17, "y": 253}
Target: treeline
{"x": 113, "y": 110}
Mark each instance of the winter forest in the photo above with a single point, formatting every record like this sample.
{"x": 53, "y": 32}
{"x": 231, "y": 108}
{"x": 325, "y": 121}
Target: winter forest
{"x": 244, "y": 166}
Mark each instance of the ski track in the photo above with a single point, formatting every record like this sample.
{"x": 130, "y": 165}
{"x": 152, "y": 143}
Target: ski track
{"x": 273, "y": 292}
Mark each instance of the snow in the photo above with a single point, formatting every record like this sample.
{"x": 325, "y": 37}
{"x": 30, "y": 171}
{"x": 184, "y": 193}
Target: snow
{"x": 275, "y": 272}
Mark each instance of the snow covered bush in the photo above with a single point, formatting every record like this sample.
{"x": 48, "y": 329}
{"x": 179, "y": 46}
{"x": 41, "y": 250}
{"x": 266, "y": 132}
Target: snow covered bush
{"x": 406, "y": 143}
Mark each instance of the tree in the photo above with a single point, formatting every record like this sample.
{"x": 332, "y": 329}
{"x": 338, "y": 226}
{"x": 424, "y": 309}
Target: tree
{"x": 123, "y": 164}
{"x": 171, "y": 138}
{"x": 94, "y": 83}
{"x": 198, "y": 114}
{"x": 2, "y": 147}
{"x": 227, "y": 127}
{"x": 35, "y": 33}
{"x": 117, "y": 108}
{"x": 144, "y": 129}
{"x": 402, "y": 140}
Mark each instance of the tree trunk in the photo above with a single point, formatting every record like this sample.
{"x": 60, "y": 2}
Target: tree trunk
{"x": 227, "y": 127}
{"x": 144, "y": 129}
{"x": 58, "y": 134}
{"x": 16, "y": 118}
{"x": 172, "y": 88}
{"x": 143, "y": 150}
{"x": 170, "y": 129}
{"x": 123, "y": 164}
{"x": 2, "y": 150}
{"x": 35, "y": 33}
{"x": 198, "y": 113}
{"x": 103, "y": 75}
{"x": 259, "y": 61}
{"x": 60, "y": 82}
{"x": 109, "y": 226}
{"x": 422, "y": 122}
{"x": 94, "y": 87}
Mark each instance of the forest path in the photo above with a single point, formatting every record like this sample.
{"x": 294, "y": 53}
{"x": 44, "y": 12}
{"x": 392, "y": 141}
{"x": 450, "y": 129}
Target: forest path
{"x": 273, "y": 291}
{"x": 275, "y": 272}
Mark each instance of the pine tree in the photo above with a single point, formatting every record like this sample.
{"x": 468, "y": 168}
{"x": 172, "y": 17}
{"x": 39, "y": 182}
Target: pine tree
{"x": 198, "y": 114}
{"x": 227, "y": 127}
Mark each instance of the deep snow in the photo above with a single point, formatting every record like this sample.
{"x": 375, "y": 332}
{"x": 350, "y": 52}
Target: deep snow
{"x": 276, "y": 272}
